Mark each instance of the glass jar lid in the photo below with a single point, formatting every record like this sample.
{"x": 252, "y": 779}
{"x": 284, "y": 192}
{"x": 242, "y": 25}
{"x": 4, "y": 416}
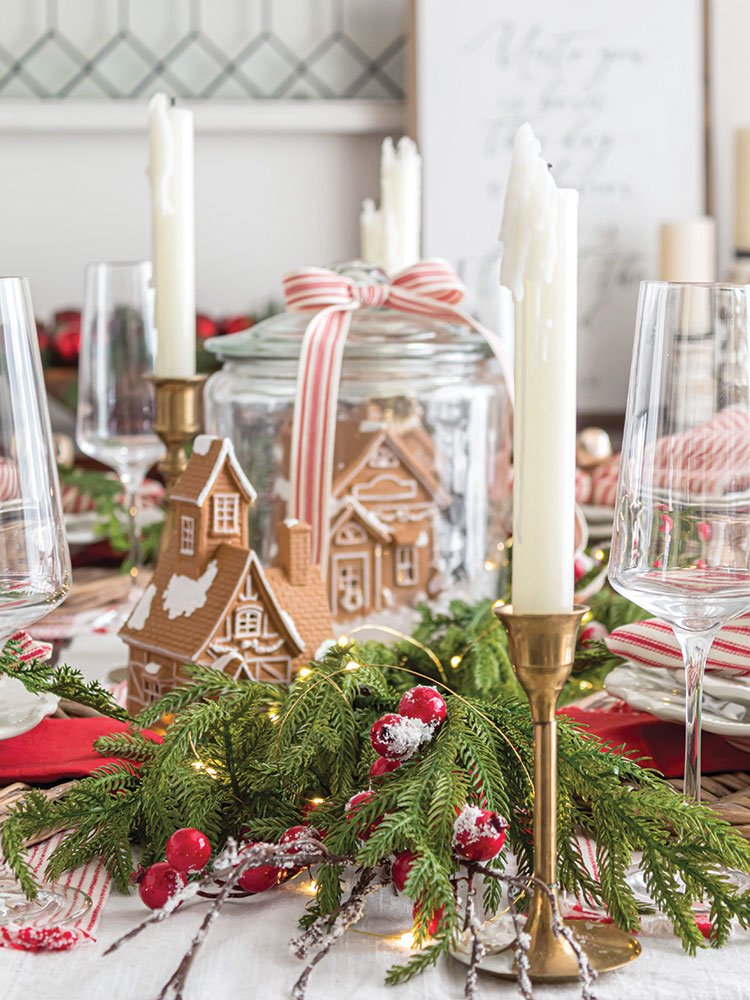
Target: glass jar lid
{"x": 374, "y": 333}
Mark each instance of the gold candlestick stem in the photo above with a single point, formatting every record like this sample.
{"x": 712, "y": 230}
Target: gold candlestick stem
{"x": 177, "y": 421}
{"x": 542, "y": 650}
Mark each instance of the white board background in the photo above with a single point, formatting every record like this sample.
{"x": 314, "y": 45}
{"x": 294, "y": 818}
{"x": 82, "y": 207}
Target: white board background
{"x": 614, "y": 91}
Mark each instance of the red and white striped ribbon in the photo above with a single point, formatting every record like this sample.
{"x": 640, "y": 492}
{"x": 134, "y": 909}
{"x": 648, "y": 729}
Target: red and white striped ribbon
{"x": 430, "y": 288}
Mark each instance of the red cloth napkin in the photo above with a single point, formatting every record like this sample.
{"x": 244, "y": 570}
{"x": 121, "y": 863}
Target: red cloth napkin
{"x": 57, "y": 749}
{"x": 661, "y": 743}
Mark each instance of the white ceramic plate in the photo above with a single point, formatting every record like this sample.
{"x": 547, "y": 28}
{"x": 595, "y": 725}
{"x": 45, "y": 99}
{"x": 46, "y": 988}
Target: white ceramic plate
{"x": 661, "y": 691}
{"x": 20, "y": 710}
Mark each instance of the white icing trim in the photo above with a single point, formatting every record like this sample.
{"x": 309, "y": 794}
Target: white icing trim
{"x": 226, "y": 451}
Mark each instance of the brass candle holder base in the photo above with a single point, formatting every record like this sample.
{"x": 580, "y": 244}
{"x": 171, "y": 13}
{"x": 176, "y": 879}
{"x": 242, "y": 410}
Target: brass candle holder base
{"x": 542, "y": 649}
{"x": 176, "y": 421}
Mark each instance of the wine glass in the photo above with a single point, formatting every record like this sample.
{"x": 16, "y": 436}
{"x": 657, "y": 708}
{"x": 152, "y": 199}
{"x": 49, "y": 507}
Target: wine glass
{"x": 115, "y": 398}
{"x": 681, "y": 539}
{"x": 35, "y": 572}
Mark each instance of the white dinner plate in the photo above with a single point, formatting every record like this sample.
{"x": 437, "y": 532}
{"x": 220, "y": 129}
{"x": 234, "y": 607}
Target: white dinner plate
{"x": 661, "y": 691}
{"x": 20, "y": 710}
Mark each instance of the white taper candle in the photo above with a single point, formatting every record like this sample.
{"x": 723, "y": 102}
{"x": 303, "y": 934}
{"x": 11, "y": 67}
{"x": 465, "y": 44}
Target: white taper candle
{"x": 171, "y": 175}
{"x": 540, "y": 250}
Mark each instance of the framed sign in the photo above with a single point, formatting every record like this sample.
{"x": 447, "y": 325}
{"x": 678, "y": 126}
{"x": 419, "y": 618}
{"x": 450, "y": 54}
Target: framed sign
{"x": 615, "y": 93}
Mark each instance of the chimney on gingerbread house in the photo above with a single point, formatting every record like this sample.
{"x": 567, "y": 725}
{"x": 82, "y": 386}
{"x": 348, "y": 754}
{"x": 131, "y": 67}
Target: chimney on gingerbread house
{"x": 294, "y": 539}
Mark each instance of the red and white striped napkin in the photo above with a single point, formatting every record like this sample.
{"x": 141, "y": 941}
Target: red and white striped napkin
{"x": 91, "y": 878}
{"x": 653, "y": 644}
{"x": 711, "y": 459}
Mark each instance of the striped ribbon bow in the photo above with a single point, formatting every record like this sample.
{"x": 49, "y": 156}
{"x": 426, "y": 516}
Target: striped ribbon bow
{"x": 430, "y": 288}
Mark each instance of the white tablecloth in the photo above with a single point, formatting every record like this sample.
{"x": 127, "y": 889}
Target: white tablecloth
{"x": 247, "y": 955}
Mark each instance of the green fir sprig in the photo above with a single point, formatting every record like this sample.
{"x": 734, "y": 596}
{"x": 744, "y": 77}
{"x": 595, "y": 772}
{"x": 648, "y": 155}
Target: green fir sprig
{"x": 245, "y": 759}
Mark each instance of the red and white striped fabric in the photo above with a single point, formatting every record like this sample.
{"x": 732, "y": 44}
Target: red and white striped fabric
{"x": 30, "y": 648}
{"x": 653, "y": 644}
{"x": 430, "y": 288}
{"x": 9, "y": 483}
{"x": 711, "y": 459}
{"x": 91, "y": 878}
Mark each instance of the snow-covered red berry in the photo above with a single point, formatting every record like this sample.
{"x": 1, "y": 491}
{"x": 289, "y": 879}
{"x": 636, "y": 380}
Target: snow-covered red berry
{"x": 159, "y": 883}
{"x": 593, "y": 632}
{"x": 259, "y": 879}
{"x": 383, "y": 766}
{"x": 423, "y": 703}
{"x": 188, "y": 850}
{"x": 297, "y": 838}
{"x": 478, "y": 834}
{"x": 400, "y": 869}
{"x": 353, "y": 806}
{"x": 398, "y": 737}
{"x": 582, "y": 565}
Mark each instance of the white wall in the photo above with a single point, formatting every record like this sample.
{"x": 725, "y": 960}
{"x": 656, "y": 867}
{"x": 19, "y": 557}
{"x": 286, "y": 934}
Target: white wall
{"x": 730, "y": 109}
{"x": 265, "y": 203}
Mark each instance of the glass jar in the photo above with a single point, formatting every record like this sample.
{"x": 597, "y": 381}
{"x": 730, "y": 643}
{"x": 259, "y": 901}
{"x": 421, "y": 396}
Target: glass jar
{"x": 420, "y": 504}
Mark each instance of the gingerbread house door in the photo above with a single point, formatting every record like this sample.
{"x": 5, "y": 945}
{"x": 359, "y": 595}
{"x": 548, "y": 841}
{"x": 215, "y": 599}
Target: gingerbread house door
{"x": 350, "y": 583}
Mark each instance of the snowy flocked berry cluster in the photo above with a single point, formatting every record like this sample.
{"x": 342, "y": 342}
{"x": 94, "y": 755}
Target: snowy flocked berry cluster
{"x": 478, "y": 834}
{"x": 188, "y": 852}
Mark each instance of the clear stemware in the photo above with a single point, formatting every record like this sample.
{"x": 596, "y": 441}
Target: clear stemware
{"x": 35, "y": 572}
{"x": 681, "y": 540}
{"x": 115, "y": 398}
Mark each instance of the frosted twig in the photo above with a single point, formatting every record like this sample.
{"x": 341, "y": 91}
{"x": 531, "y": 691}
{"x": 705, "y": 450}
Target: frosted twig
{"x": 522, "y": 951}
{"x": 477, "y": 947}
{"x": 350, "y": 912}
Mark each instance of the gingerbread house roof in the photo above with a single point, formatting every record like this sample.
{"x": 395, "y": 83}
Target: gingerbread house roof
{"x": 178, "y": 615}
{"x": 406, "y": 456}
{"x": 312, "y": 614}
{"x": 354, "y": 510}
{"x": 206, "y": 461}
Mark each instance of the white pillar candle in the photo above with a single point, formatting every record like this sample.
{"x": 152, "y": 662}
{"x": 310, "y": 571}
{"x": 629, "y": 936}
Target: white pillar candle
{"x": 171, "y": 176}
{"x": 539, "y": 265}
{"x": 391, "y": 235}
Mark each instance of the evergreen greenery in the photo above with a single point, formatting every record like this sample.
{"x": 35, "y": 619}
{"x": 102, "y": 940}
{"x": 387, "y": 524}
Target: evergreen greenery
{"x": 245, "y": 759}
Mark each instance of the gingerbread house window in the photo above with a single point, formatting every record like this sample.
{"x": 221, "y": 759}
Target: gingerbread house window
{"x": 350, "y": 534}
{"x": 226, "y": 513}
{"x": 248, "y": 623}
{"x": 406, "y": 565}
{"x": 151, "y": 689}
{"x": 383, "y": 459}
{"x": 187, "y": 535}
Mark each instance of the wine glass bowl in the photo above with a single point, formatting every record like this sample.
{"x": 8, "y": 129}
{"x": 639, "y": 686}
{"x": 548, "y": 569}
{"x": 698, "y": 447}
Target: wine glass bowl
{"x": 114, "y": 421}
{"x": 35, "y": 572}
{"x": 681, "y": 536}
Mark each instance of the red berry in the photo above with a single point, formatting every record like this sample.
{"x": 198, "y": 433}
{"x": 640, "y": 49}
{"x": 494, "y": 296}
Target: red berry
{"x": 295, "y": 834}
{"x": 423, "y": 703}
{"x": 353, "y": 806}
{"x": 400, "y": 869}
{"x": 593, "y": 632}
{"x": 159, "y": 883}
{"x": 383, "y": 766}
{"x": 259, "y": 879}
{"x": 397, "y": 737}
{"x": 478, "y": 834}
{"x": 188, "y": 850}
{"x": 433, "y": 923}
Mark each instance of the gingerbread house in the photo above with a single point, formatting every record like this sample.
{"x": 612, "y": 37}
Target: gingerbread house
{"x": 385, "y": 503}
{"x": 211, "y": 602}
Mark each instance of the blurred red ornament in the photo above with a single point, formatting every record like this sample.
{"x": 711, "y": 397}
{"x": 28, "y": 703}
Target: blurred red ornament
{"x": 233, "y": 324}
{"x": 67, "y": 316}
{"x": 205, "y": 327}
{"x": 67, "y": 342}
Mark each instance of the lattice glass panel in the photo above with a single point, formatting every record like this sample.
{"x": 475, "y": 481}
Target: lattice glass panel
{"x": 202, "y": 48}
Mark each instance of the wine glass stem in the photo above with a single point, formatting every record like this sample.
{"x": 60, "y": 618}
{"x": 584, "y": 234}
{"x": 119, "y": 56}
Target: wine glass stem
{"x": 695, "y": 647}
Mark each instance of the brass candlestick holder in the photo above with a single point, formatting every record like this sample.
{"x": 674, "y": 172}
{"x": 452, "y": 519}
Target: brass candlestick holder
{"x": 542, "y": 649}
{"x": 177, "y": 421}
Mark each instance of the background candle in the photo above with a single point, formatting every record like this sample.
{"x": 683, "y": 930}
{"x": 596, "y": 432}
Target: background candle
{"x": 391, "y": 236}
{"x": 540, "y": 248}
{"x": 171, "y": 175}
